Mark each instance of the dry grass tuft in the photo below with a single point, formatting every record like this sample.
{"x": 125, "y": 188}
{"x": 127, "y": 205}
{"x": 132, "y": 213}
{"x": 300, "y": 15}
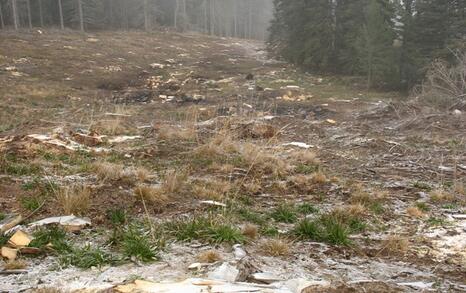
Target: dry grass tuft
{"x": 415, "y": 212}
{"x": 142, "y": 174}
{"x": 174, "y": 181}
{"x": 221, "y": 144}
{"x": 302, "y": 182}
{"x": 355, "y": 210}
{"x": 75, "y": 199}
{"x": 319, "y": 178}
{"x": 251, "y": 231}
{"x": 305, "y": 156}
{"x": 15, "y": 265}
{"x": 276, "y": 247}
{"x": 174, "y": 133}
{"x": 252, "y": 187}
{"x": 395, "y": 244}
{"x": 153, "y": 195}
{"x": 260, "y": 161}
{"x": 212, "y": 189}
{"x": 209, "y": 256}
{"x": 459, "y": 188}
{"x": 108, "y": 171}
{"x": 110, "y": 127}
{"x": 222, "y": 168}
{"x": 440, "y": 195}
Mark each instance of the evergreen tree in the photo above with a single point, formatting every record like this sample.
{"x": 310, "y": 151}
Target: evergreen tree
{"x": 348, "y": 26}
{"x": 376, "y": 51}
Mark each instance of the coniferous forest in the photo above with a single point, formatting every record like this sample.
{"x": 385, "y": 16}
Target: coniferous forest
{"x": 388, "y": 42}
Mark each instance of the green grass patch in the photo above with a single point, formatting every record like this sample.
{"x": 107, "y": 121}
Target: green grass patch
{"x": 422, "y": 206}
{"x": 434, "y": 221}
{"x": 53, "y": 237}
{"x": 135, "y": 244}
{"x": 377, "y": 208}
{"x": 117, "y": 217}
{"x": 270, "y": 231}
{"x": 422, "y": 186}
{"x": 284, "y": 213}
{"x": 225, "y": 233}
{"x": 188, "y": 230}
{"x": 333, "y": 228}
{"x": 30, "y": 203}
{"x": 2, "y": 216}
{"x": 86, "y": 257}
{"x": 306, "y": 169}
{"x": 307, "y": 208}
{"x": 250, "y": 216}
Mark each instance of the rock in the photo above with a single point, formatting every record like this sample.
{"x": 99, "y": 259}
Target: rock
{"x": 197, "y": 286}
{"x": 20, "y": 239}
{"x": 239, "y": 252}
{"x": 71, "y": 223}
{"x": 305, "y": 286}
{"x": 457, "y": 112}
{"x": 250, "y": 76}
{"x": 418, "y": 285}
{"x": 213, "y": 203}
{"x": 123, "y": 138}
{"x": 331, "y": 121}
{"x": 195, "y": 266}
{"x": 224, "y": 272}
{"x": 265, "y": 277}
{"x": 298, "y": 144}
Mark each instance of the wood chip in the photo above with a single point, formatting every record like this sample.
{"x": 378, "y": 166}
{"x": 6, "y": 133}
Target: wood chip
{"x": 9, "y": 253}
{"x": 20, "y": 239}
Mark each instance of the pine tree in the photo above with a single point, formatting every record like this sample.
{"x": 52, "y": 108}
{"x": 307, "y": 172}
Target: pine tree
{"x": 349, "y": 24}
{"x": 377, "y": 55}
{"x": 303, "y": 32}
{"x": 431, "y": 28}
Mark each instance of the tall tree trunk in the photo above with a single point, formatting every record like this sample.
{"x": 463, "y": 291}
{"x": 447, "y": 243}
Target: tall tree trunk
{"x": 81, "y": 16}
{"x": 60, "y": 12}
{"x": 250, "y": 19}
{"x": 41, "y": 16}
{"x": 205, "y": 17}
{"x": 15, "y": 14}
{"x": 28, "y": 6}
{"x": 2, "y": 23}
{"x": 175, "y": 16}
{"x": 211, "y": 16}
{"x": 235, "y": 18}
{"x": 146, "y": 15}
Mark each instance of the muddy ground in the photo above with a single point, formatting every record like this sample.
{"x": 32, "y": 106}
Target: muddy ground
{"x": 194, "y": 118}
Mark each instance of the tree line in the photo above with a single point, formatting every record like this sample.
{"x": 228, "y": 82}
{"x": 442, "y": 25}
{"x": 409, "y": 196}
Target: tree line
{"x": 389, "y": 41}
{"x": 229, "y": 18}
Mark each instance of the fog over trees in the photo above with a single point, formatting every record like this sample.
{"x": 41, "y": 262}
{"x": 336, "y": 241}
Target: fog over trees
{"x": 389, "y": 41}
{"x": 229, "y": 18}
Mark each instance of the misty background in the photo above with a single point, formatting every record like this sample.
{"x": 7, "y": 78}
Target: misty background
{"x": 228, "y": 18}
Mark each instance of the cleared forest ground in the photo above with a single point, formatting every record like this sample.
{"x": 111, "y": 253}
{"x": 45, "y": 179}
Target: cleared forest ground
{"x": 177, "y": 147}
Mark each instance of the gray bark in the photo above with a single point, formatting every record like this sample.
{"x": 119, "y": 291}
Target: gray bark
{"x": 60, "y": 11}
{"x": 81, "y": 16}
{"x": 2, "y": 23}
{"x": 41, "y": 16}
{"x": 28, "y": 5}
{"x": 146, "y": 16}
{"x": 15, "y": 13}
